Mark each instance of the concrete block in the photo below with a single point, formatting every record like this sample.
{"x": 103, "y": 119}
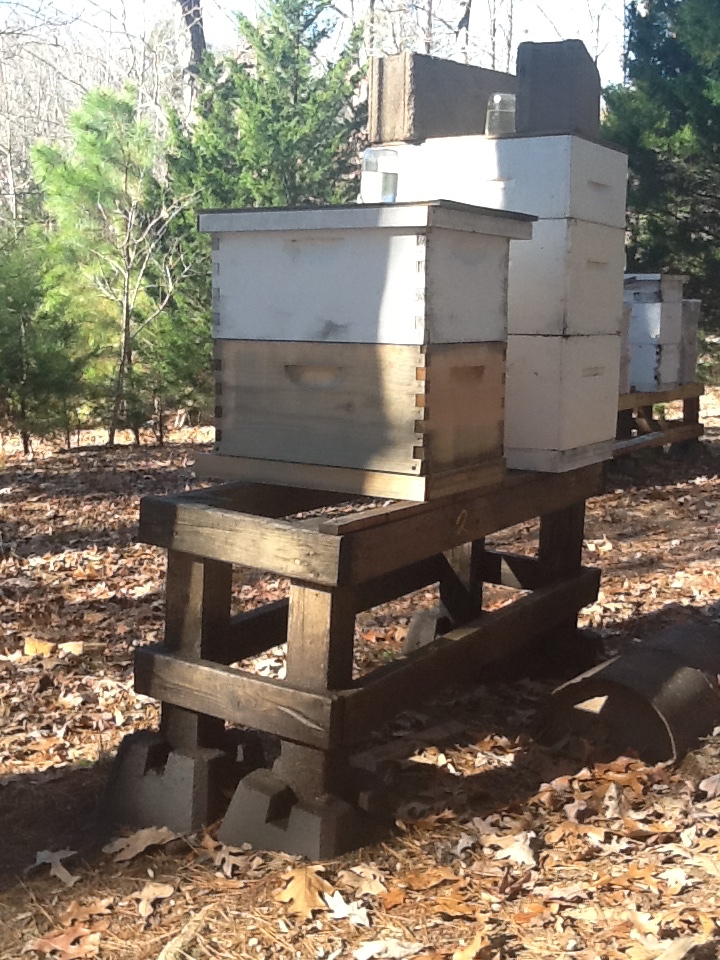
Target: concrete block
{"x": 413, "y": 96}
{"x": 266, "y": 813}
{"x": 558, "y": 89}
{"x": 152, "y": 786}
{"x": 561, "y": 397}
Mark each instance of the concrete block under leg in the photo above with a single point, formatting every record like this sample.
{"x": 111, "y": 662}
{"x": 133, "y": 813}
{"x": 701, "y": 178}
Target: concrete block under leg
{"x": 266, "y": 813}
{"x": 152, "y": 785}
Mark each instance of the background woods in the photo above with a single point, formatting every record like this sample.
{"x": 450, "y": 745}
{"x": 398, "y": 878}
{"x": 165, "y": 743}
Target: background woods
{"x": 117, "y": 126}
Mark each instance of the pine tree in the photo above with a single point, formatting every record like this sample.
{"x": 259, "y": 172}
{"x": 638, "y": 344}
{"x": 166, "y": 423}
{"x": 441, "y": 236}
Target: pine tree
{"x": 40, "y": 366}
{"x": 115, "y": 265}
{"x": 668, "y": 117}
{"x": 279, "y": 127}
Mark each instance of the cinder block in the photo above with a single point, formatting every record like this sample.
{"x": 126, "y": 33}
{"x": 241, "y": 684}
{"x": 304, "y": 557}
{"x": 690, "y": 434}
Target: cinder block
{"x": 413, "y": 97}
{"x": 558, "y": 89}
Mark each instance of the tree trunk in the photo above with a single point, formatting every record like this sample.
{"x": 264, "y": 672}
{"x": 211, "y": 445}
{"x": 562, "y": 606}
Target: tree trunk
{"x": 192, "y": 14}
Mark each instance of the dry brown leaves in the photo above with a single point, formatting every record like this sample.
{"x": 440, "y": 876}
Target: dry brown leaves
{"x": 505, "y": 848}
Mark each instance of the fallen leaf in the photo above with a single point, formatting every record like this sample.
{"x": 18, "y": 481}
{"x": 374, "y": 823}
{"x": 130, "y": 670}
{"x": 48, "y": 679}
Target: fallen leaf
{"x": 427, "y": 879}
{"x": 363, "y": 879}
{"x": 684, "y": 947}
{"x": 54, "y": 858}
{"x": 474, "y": 949}
{"x": 518, "y": 850}
{"x": 340, "y": 910}
{"x": 676, "y": 879}
{"x": 453, "y": 907}
{"x": 74, "y": 647}
{"x": 126, "y": 848}
{"x": 303, "y": 891}
{"x": 73, "y": 943}
{"x": 149, "y": 894}
{"x": 393, "y": 898}
{"x": 33, "y": 647}
{"x": 390, "y": 949}
{"x": 711, "y": 786}
{"x": 75, "y": 912}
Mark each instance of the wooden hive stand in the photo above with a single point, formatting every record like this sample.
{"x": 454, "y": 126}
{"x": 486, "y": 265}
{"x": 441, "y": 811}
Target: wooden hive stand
{"x": 311, "y": 800}
{"x": 638, "y": 429}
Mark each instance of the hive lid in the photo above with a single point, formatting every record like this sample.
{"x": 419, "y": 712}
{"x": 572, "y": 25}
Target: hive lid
{"x": 434, "y": 213}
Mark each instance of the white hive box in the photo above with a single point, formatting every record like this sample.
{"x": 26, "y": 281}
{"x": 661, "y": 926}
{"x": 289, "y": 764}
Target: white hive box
{"x": 654, "y": 287}
{"x": 361, "y": 348}
{"x": 569, "y": 279}
{"x": 561, "y": 399}
{"x": 689, "y": 347}
{"x": 654, "y": 366}
{"x": 552, "y": 177}
{"x": 413, "y": 274}
{"x": 658, "y": 323}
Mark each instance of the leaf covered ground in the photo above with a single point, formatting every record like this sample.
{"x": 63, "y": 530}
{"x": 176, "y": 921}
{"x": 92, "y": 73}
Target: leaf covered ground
{"x": 503, "y": 847}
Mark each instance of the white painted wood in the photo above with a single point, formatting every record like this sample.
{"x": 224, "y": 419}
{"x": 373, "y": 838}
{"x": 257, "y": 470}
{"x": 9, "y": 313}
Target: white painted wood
{"x": 656, "y": 322}
{"x": 654, "y": 287}
{"x": 313, "y": 281}
{"x": 550, "y": 177}
{"x": 654, "y": 366}
{"x": 568, "y": 280}
{"x": 560, "y": 396}
{"x": 430, "y": 212}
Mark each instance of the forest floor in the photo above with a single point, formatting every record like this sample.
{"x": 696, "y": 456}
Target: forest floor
{"x": 503, "y": 847}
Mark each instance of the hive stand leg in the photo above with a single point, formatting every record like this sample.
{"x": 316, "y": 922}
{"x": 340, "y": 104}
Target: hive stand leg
{"x": 176, "y": 777}
{"x": 299, "y": 805}
{"x": 461, "y": 590}
{"x": 625, "y": 425}
{"x": 560, "y": 556}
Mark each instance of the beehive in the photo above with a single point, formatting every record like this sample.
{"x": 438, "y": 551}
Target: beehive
{"x": 361, "y": 348}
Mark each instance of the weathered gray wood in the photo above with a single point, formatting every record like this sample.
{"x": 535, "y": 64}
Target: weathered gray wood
{"x": 633, "y": 401}
{"x": 254, "y": 631}
{"x": 264, "y": 499}
{"x": 232, "y": 537}
{"x": 458, "y": 655}
{"x": 234, "y": 695}
{"x": 670, "y": 435}
{"x": 197, "y": 605}
{"x": 560, "y": 542}
{"x": 405, "y": 538}
{"x": 512, "y": 570}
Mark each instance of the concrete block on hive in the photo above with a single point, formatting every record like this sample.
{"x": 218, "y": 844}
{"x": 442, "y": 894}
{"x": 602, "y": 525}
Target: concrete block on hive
{"x": 558, "y": 89}
{"x": 560, "y": 401}
{"x": 413, "y": 96}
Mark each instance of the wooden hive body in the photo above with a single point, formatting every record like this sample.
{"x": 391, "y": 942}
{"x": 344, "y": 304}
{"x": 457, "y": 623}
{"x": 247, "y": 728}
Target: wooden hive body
{"x": 375, "y": 361}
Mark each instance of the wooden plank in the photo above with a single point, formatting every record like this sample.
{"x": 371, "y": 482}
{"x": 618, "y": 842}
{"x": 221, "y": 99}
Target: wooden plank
{"x": 338, "y": 404}
{"x": 411, "y": 535}
{"x": 671, "y": 435}
{"x": 217, "y": 534}
{"x": 513, "y": 570}
{"x": 632, "y": 401}
{"x": 464, "y": 400}
{"x": 458, "y": 655}
{"x": 371, "y": 483}
{"x": 197, "y": 606}
{"x": 254, "y": 631}
{"x": 234, "y": 695}
{"x": 461, "y": 582}
{"x": 560, "y": 541}
{"x": 263, "y": 499}
{"x": 321, "y": 629}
